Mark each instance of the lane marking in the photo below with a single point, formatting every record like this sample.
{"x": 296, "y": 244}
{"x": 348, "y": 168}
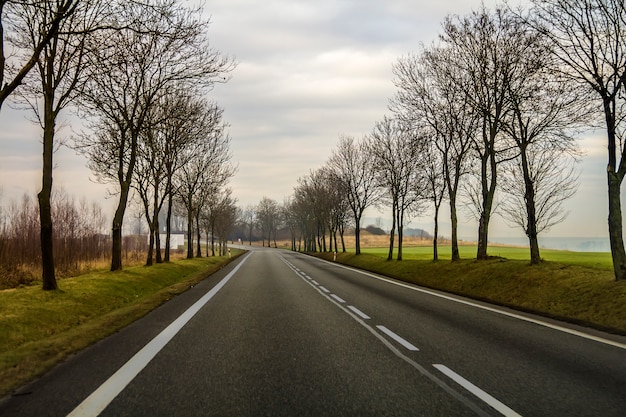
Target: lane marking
{"x": 315, "y": 282}
{"x": 494, "y": 403}
{"x": 102, "y": 397}
{"x": 397, "y": 338}
{"x": 359, "y": 313}
{"x": 326, "y": 290}
{"x": 337, "y": 298}
{"x": 487, "y": 308}
{"x": 359, "y": 317}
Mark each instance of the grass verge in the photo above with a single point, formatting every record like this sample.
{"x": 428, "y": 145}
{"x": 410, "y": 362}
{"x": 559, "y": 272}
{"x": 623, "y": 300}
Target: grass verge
{"x": 38, "y": 329}
{"x": 584, "y": 293}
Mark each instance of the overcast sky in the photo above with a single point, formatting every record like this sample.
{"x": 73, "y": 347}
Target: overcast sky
{"x": 307, "y": 72}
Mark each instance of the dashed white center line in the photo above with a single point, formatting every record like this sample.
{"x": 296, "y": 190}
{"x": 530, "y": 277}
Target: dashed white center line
{"x": 359, "y": 313}
{"x": 315, "y": 282}
{"x": 337, "y": 298}
{"x": 397, "y": 338}
{"x": 326, "y": 290}
{"x": 494, "y": 403}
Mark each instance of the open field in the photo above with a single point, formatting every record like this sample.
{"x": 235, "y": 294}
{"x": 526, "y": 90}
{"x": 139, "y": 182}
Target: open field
{"x": 40, "y": 328}
{"x": 600, "y": 260}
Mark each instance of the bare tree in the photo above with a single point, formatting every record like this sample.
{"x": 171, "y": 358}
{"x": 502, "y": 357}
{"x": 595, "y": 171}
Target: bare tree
{"x": 545, "y": 110}
{"x": 157, "y": 45}
{"x": 247, "y": 218}
{"x": 397, "y": 163}
{"x": 486, "y": 45}
{"x": 536, "y": 185}
{"x": 43, "y": 20}
{"x": 589, "y": 39}
{"x": 268, "y": 218}
{"x": 53, "y": 86}
{"x": 427, "y": 99}
{"x": 208, "y": 168}
{"x": 352, "y": 165}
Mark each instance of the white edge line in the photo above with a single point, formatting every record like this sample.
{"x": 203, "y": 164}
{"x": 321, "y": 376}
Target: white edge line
{"x": 397, "y": 338}
{"x": 491, "y": 401}
{"x": 491, "y": 309}
{"x": 359, "y": 313}
{"x": 95, "y": 403}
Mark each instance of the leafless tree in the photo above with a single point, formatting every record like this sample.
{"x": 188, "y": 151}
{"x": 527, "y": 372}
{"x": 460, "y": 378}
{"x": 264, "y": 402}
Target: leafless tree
{"x": 268, "y": 218}
{"x": 397, "y": 163}
{"x": 58, "y": 78}
{"x": 427, "y": 99}
{"x": 545, "y": 110}
{"x": 353, "y": 166}
{"x": 49, "y": 17}
{"x": 247, "y": 218}
{"x": 536, "y": 185}
{"x": 589, "y": 38}
{"x": 156, "y": 45}
{"x": 220, "y": 216}
{"x": 486, "y": 45}
{"x": 207, "y": 170}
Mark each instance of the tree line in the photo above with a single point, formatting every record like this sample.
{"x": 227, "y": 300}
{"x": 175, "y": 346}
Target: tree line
{"x": 137, "y": 74}
{"x": 485, "y": 118}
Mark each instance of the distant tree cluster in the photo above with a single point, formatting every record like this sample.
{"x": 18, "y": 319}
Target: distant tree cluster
{"x": 136, "y": 73}
{"x": 79, "y": 239}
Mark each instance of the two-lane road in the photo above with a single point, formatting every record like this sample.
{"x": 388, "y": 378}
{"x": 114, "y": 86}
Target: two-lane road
{"x": 279, "y": 333}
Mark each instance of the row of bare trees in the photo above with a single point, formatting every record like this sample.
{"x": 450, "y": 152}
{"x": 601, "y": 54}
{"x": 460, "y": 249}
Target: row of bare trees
{"x": 489, "y": 105}
{"x": 486, "y": 117}
{"x": 124, "y": 68}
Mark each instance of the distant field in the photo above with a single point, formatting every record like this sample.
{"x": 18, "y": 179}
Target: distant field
{"x": 600, "y": 260}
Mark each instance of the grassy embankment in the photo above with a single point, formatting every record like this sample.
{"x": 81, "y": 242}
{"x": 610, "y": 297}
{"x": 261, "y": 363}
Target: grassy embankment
{"x": 577, "y": 287}
{"x": 40, "y": 328}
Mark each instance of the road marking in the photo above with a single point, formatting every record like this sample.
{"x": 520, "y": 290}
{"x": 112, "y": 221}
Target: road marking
{"x": 102, "y": 397}
{"x": 359, "y": 317}
{"x": 326, "y": 290}
{"x": 315, "y": 282}
{"x": 487, "y": 308}
{"x": 359, "y": 313}
{"x": 337, "y": 298}
{"x": 494, "y": 403}
{"x": 397, "y": 338}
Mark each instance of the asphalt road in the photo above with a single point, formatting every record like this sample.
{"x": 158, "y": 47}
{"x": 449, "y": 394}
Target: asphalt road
{"x": 281, "y": 334}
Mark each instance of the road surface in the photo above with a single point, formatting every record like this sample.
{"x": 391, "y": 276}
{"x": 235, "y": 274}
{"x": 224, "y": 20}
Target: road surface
{"x": 278, "y": 333}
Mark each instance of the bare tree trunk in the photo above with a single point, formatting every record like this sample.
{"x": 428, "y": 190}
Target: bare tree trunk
{"x": 157, "y": 239}
{"x": 615, "y": 176}
{"x": 189, "y": 233}
{"x": 150, "y": 257}
{"x": 394, "y": 210}
{"x": 45, "y": 210}
{"x": 198, "y": 236}
{"x": 357, "y": 234}
{"x": 116, "y": 245}
{"x": 531, "y": 213}
{"x": 168, "y": 226}
{"x": 488, "y": 191}
{"x": 436, "y": 234}
{"x": 454, "y": 221}
{"x": 400, "y": 223}
{"x": 615, "y": 226}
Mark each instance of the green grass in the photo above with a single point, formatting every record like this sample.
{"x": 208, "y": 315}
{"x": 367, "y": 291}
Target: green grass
{"x": 575, "y": 287}
{"x": 40, "y": 328}
{"x": 600, "y": 260}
